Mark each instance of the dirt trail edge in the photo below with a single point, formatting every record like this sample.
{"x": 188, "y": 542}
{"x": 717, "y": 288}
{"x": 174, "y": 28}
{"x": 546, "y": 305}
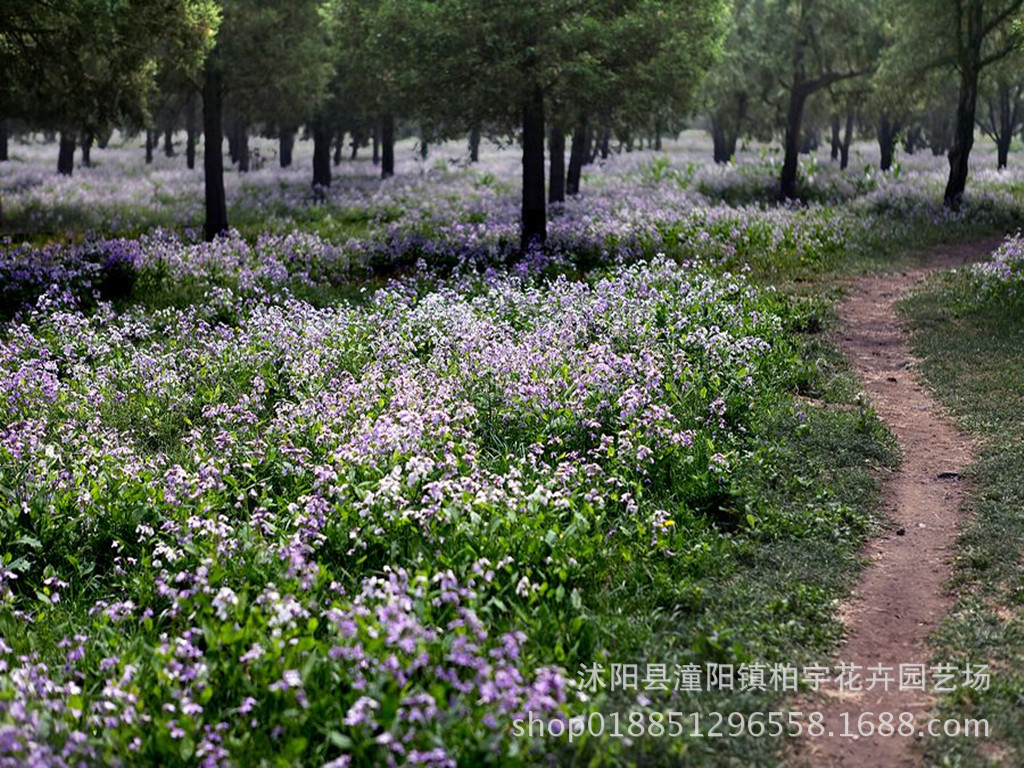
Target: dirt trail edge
{"x": 901, "y": 595}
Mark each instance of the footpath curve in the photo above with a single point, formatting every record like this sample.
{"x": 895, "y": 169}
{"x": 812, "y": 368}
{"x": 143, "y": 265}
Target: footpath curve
{"x": 901, "y": 596}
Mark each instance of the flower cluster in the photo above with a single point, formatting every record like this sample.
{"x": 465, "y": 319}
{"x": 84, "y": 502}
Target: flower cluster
{"x": 1001, "y": 278}
{"x": 229, "y": 484}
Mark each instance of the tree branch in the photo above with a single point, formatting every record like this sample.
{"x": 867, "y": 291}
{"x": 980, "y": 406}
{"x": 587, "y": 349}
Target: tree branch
{"x": 1006, "y": 13}
{"x": 829, "y": 78}
{"x": 1000, "y": 54}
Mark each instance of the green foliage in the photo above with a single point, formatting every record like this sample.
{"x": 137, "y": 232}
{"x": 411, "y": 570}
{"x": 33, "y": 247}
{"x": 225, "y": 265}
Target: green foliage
{"x": 276, "y": 58}
{"x": 92, "y": 62}
{"x": 972, "y": 357}
{"x": 731, "y": 548}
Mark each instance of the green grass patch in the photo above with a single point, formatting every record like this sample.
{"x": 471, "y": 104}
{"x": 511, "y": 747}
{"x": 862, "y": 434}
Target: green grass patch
{"x": 973, "y": 355}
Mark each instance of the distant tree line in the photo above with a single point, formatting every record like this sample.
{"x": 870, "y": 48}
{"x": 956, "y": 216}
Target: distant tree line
{"x": 925, "y": 71}
{"x": 576, "y": 76}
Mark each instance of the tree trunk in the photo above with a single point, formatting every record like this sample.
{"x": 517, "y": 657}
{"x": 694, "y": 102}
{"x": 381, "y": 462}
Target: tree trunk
{"x": 1006, "y": 124}
{"x": 606, "y": 138}
{"x": 723, "y": 142}
{"x": 339, "y": 146}
{"x": 556, "y": 174}
{"x": 150, "y": 144}
{"x": 963, "y": 141}
{"x": 837, "y": 142}
{"x": 168, "y": 143}
{"x": 474, "y": 143}
{"x": 232, "y": 137}
{"x": 286, "y": 143}
{"x": 912, "y": 139}
{"x": 321, "y": 154}
{"x": 376, "y": 145}
{"x": 190, "y": 132}
{"x": 535, "y": 224}
{"x": 576, "y": 152}
{"x": 213, "y": 152}
{"x": 242, "y": 146}
{"x": 387, "y": 141}
{"x": 1003, "y": 150}
{"x": 844, "y": 150}
{"x": 3, "y": 140}
{"x": 66, "y": 153}
{"x": 790, "y": 162}
{"x": 886, "y": 142}
{"x": 87, "y": 142}
{"x": 592, "y": 148}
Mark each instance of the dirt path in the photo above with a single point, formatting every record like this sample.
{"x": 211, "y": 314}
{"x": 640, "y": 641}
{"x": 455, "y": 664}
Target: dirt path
{"x": 901, "y": 598}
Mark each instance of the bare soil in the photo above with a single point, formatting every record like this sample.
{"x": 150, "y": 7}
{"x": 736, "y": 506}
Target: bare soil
{"x": 901, "y": 597}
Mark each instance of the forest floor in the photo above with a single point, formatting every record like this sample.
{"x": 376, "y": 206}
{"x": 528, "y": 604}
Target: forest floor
{"x": 902, "y": 596}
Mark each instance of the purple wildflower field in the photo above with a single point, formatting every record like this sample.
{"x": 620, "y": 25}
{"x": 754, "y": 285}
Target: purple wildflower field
{"x": 359, "y": 485}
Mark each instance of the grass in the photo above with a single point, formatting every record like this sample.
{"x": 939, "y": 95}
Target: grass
{"x": 765, "y": 592}
{"x": 759, "y": 571}
{"x": 755, "y": 576}
{"x": 973, "y": 356}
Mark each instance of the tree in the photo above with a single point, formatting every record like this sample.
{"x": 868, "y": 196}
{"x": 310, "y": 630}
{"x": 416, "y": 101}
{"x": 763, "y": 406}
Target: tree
{"x": 736, "y": 87}
{"x": 804, "y": 47}
{"x": 91, "y": 63}
{"x": 289, "y": 34}
{"x": 1002, "y": 106}
{"x": 520, "y": 67}
{"x": 384, "y": 61}
{"x": 965, "y": 37}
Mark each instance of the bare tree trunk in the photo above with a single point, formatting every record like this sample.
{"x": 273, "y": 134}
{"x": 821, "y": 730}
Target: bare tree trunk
{"x": 190, "y": 132}
{"x": 556, "y": 172}
{"x": 887, "y": 131}
{"x": 590, "y": 145}
{"x": 790, "y": 162}
{"x": 535, "y": 217}
{"x": 723, "y": 142}
{"x": 576, "y": 152}
{"x": 3, "y": 140}
{"x": 66, "y": 153}
{"x": 837, "y": 142}
{"x": 242, "y": 146}
{"x": 963, "y": 141}
{"x": 376, "y": 145}
{"x": 844, "y": 150}
{"x": 87, "y": 142}
{"x": 213, "y": 153}
{"x": 960, "y": 152}
{"x": 1004, "y": 123}
{"x": 474, "y": 143}
{"x": 232, "y": 137}
{"x": 150, "y": 144}
{"x": 912, "y": 139}
{"x": 321, "y": 153}
{"x": 168, "y": 143}
{"x": 387, "y": 141}
{"x": 286, "y": 143}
